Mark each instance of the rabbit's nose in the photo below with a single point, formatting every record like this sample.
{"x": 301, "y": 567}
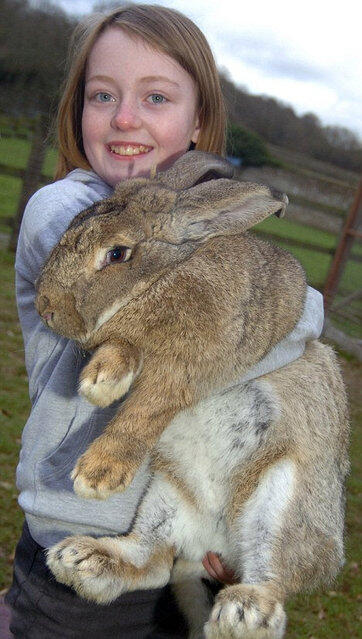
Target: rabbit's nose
{"x": 43, "y": 303}
{"x": 47, "y": 317}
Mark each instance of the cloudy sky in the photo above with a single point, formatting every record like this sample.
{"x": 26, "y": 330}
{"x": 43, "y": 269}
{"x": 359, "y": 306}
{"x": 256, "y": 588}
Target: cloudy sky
{"x": 307, "y": 54}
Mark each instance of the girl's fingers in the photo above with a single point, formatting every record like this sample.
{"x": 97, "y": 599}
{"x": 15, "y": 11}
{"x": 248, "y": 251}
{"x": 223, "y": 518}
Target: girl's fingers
{"x": 206, "y": 564}
{"x": 223, "y": 574}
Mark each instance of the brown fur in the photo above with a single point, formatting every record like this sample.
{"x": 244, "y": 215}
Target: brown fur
{"x": 170, "y": 470}
{"x": 311, "y": 382}
{"x": 245, "y": 481}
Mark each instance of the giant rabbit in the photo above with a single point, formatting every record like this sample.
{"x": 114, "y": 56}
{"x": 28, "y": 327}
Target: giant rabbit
{"x": 178, "y": 302}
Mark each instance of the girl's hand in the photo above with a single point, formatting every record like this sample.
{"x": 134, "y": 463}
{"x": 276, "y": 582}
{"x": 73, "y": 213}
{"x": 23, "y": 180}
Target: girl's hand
{"x": 217, "y": 570}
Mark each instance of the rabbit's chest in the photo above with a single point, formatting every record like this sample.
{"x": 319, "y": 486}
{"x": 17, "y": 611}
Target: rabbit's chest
{"x": 208, "y": 442}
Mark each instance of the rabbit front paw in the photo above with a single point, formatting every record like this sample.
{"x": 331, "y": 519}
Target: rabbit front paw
{"x": 103, "y": 470}
{"x": 91, "y": 566}
{"x": 246, "y": 612}
{"x": 109, "y": 373}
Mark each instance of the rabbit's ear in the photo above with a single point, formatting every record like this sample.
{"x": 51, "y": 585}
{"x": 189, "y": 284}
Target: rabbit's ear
{"x": 222, "y": 207}
{"x": 193, "y": 168}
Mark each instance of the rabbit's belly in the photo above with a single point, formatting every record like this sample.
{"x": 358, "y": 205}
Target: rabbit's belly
{"x": 209, "y": 442}
{"x": 196, "y": 532}
{"x": 191, "y": 526}
{"x": 203, "y": 447}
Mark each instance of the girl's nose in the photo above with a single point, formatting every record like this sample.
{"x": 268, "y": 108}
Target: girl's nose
{"x": 126, "y": 116}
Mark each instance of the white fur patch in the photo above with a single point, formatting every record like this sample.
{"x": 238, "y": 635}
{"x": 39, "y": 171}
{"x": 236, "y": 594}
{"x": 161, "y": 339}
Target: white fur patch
{"x": 108, "y": 313}
{"x": 208, "y": 443}
{"x": 133, "y": 551}
{"x": 192, "y": 595}
{"x": 260, "y": 520}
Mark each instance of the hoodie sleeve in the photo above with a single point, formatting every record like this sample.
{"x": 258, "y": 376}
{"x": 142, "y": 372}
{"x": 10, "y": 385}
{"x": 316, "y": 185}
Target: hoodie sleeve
{"x": 293, "y": 345}
{"x": 46, "y": 217}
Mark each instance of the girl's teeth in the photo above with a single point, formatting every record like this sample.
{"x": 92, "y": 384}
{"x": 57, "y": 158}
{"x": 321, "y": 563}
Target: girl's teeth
{"x": 129, "y": 150}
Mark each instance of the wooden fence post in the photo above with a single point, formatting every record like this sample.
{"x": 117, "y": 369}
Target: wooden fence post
{"x": 349, "y": 233}
{"x": 32, "y": 175}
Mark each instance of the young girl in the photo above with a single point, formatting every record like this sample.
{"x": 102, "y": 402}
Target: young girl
{"x": 142, "y": 89}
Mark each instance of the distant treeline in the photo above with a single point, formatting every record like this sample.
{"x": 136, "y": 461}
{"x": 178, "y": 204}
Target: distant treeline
{"x": 33, "y": 49}
{"x": 278, "y": 124}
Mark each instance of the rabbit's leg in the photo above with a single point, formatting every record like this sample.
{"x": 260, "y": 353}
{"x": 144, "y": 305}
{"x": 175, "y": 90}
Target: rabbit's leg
{"x": 112, "y": 460}
{"x": 254, "y": 609}
{"x": 102, "y": 569}
{"x": 110, "y": 372}
{"x": 193, "y": 598}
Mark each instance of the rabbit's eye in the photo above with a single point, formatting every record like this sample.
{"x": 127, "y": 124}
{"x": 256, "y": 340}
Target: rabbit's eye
{"x": 118, "y": 254}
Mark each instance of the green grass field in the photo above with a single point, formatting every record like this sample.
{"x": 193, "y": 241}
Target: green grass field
{"x": 15, "y": 152}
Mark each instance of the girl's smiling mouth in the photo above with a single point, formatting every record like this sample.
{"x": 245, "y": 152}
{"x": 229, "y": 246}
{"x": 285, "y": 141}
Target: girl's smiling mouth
{"x": 128, "y": 149}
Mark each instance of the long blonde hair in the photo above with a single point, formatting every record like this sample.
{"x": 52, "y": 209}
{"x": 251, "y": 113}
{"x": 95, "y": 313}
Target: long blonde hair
{"x": 165, "y": 29}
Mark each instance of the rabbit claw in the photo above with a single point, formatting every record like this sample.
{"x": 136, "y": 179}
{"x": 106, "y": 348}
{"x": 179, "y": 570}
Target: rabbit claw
{"x": 102, "y": 480}
{"x": 100, "y": 471}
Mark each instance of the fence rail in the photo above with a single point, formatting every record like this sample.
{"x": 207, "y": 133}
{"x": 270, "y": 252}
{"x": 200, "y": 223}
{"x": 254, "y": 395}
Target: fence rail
{"x": 305, "y": 245}
{"x": 13, "y": 171}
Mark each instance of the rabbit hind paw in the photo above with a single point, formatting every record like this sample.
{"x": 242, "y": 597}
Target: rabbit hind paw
{"x": 244, "y": 612}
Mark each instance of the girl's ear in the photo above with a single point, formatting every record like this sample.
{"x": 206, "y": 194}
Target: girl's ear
{"x": 221, "y": 207}
{"x": 196, "y": 133}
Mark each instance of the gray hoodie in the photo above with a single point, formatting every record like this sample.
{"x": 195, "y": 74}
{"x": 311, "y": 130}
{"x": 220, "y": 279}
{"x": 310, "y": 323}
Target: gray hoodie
{"x": 61, "y": 423}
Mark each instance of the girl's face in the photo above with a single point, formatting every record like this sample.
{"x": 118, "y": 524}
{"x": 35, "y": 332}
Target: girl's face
{"x": 140, "y": 108}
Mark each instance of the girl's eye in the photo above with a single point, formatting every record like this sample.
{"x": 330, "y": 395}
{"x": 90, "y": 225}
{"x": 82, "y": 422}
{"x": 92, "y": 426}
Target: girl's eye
{"x": 118, "y": 254}
{"x": 103, "y": 97}
{"x": 157, "y": 98}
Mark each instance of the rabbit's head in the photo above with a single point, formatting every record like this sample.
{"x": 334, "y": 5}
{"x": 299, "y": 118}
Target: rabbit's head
{"x": 115, "y": 250}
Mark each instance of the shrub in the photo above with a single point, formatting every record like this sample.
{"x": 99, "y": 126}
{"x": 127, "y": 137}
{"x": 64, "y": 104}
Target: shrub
{"x": 247, "y": 146}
